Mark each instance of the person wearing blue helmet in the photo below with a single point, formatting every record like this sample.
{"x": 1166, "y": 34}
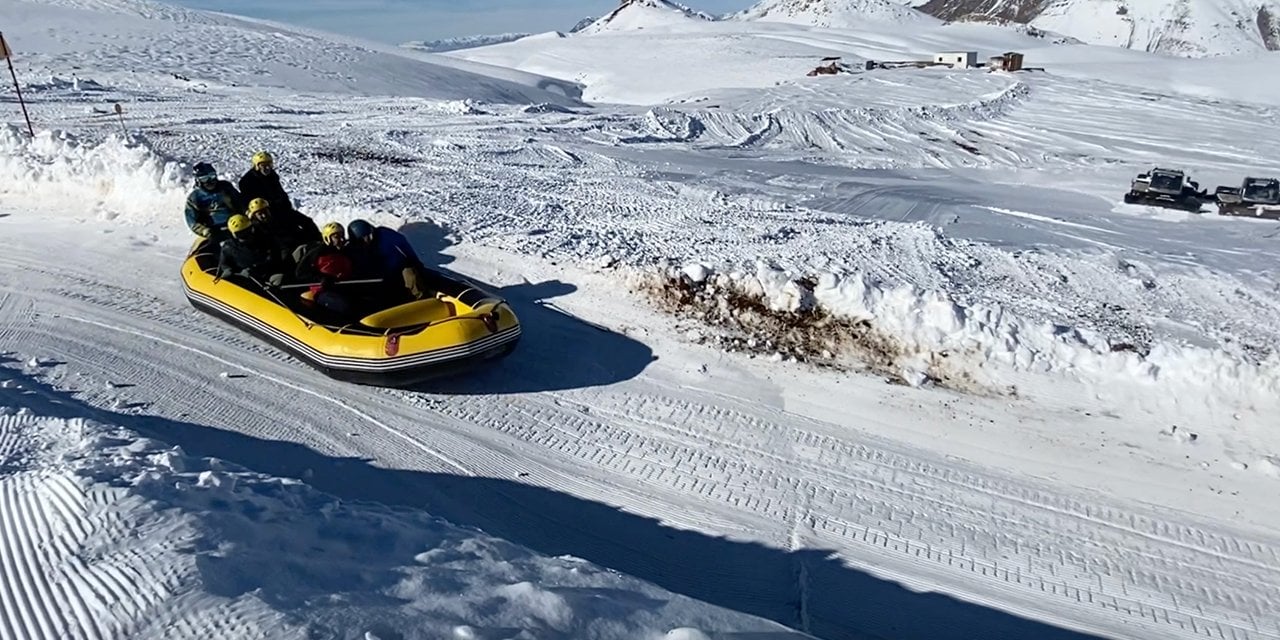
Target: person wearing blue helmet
{"x": 211, "y": 204}
{"x": 385, "y": 253}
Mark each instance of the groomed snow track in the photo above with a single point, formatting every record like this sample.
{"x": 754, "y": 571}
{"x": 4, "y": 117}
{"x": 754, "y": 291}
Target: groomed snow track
{"x": 826, "y": 530}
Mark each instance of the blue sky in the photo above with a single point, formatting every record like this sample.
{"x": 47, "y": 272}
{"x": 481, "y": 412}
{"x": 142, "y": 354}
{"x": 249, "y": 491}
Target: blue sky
{"x": 397, "y": 21}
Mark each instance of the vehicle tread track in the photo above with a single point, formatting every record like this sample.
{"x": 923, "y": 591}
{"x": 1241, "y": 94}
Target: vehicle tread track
{"x": 1084, "y": 569}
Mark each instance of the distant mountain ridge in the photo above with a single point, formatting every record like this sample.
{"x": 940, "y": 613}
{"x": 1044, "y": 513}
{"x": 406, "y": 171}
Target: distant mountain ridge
{"x": 832, "y": 13}
{"x": 1188, "y": 28}
{"x": 1191, "y": 28}
{"x": 462, "y": 42}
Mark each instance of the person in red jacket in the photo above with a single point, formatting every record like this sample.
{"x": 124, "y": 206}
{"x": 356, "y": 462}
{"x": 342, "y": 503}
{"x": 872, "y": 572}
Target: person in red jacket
{"x": 326, "y": 263}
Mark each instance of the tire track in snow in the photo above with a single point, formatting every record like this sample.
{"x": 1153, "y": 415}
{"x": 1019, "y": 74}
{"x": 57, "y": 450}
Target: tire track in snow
{"x": 875, "y": 508}
{"x": 413, "y": 442}
{"x": 129, "y": 306}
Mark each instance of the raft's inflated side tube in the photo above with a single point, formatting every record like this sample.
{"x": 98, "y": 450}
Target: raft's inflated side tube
{"x": 477, "y": 327}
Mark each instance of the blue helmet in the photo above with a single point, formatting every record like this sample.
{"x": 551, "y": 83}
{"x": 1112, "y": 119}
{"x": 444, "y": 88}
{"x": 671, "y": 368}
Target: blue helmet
{"x": 359, "y": 230}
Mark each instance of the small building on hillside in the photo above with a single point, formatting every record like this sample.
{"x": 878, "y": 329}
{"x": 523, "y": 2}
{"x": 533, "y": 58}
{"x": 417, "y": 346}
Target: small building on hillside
{"x": 1009, "y": 61}
{"x": 957, "y": 59}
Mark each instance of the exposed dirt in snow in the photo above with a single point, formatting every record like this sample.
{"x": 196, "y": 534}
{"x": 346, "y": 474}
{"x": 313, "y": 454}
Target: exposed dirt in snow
{"x": 738, "y": 318}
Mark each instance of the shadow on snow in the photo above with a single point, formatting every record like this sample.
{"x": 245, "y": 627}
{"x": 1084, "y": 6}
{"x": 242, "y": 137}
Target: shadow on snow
{"x": 557, "y": 350}
{"x": 804, "y": 589}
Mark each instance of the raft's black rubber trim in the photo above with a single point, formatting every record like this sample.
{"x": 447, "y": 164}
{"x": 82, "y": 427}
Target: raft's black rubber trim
{"x": 393, "y": 372}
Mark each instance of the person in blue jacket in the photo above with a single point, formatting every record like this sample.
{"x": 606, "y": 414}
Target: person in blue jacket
{"x": 385, "y": 253}
{"x": 211, "y": 204}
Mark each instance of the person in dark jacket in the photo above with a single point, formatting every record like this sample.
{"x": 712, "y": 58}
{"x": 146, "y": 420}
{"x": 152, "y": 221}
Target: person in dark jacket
{"x": 211, "y": 204}
{"x": 262, "y": 181}
{"x": 287, "y": 231}
{"x": 385, "y": 253}
{"x": 250, "y": 253}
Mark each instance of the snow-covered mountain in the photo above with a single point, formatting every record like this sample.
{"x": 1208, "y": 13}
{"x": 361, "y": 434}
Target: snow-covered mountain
{"x": 632, "y": 15}
{"x": 1192, "y": 28}
{"x": 832, "y": 13}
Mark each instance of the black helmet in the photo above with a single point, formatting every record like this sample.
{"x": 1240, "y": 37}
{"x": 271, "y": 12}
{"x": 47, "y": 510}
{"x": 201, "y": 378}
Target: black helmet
{"x": 205, "y": 173}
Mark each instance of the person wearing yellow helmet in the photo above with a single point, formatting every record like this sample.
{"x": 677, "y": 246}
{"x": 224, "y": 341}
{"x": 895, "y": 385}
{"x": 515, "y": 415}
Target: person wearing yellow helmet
{"x": 250, "y": 254}
{"x": 281, "y": 230}
{"x": 262, "y": 181}
{"x": 326, "y": 262}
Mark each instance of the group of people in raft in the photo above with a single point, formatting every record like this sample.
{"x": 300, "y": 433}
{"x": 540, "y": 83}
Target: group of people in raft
{"x": 261, "y": 236}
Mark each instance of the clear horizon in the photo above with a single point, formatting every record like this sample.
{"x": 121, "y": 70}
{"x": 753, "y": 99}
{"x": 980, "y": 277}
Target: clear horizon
{"x": 398, "y": 21}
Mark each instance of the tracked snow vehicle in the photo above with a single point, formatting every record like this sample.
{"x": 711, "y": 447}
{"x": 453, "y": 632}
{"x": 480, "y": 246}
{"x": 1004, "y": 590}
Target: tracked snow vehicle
{"x": 1169, "y": 188}
{"x": 1256, "y": 197}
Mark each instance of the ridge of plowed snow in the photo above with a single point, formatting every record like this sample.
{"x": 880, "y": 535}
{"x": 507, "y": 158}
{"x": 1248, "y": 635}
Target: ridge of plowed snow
{"x": 106, "y": 178}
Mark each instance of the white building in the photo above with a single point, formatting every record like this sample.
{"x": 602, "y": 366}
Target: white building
{"x": 957, "y": 59}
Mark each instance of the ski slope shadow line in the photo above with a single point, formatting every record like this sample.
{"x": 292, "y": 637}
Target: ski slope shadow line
{"x": 805, "y": 589}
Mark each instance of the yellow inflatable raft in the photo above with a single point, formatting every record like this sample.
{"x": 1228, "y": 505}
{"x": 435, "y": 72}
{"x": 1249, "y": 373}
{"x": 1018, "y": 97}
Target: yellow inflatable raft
{"x": 395, "y": 346}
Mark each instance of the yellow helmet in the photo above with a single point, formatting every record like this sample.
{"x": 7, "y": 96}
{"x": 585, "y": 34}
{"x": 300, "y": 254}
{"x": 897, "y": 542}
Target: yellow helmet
{"x": 263, "y": 157}
{"x": 259, "y": 207}
{"x": 238, "y": 223}
{"x": 333, "y": 231}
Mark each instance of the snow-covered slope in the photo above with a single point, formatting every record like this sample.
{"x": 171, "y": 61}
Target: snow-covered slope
{"x": 143, "y": 43}
{"x": 833, "y": 13}
{"x": 635, "y": 15}
{"x": 889, "y": 333}
{"x": 1192, "y": 28}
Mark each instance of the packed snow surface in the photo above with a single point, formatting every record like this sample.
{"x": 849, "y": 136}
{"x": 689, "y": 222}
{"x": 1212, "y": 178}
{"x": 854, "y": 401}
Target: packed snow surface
{"x": 110, "y": 531}
{"x": 695, "y": 437}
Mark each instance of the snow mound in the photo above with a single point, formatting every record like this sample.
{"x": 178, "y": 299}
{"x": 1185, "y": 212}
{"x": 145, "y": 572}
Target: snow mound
{"x": 837, "y": 14}
{"x": 918, "y": 336}
{"x": 143, "y": 539}
{"x": 113, "y": 179}
{"x": 635, "y": 15}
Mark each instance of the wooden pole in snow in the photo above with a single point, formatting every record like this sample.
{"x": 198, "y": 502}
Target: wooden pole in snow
{"x": 120, "y": 113}
{"x": 7, "y": 55}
